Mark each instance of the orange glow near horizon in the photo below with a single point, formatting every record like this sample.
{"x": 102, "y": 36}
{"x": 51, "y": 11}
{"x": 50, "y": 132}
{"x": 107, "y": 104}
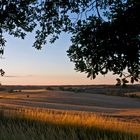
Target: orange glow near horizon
{"x": 57, "y": 80}
{"x": 24, "y": 65}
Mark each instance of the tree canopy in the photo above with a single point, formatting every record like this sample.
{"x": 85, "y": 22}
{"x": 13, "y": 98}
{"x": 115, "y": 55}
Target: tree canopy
{"x": 105, "y": 33}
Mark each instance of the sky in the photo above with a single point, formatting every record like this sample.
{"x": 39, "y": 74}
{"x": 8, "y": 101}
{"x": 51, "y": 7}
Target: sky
{"x": 25, "y": 65}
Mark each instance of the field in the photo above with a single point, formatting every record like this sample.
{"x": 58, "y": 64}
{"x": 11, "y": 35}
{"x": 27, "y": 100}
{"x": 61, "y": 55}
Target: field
{"x": 70, "y": 113}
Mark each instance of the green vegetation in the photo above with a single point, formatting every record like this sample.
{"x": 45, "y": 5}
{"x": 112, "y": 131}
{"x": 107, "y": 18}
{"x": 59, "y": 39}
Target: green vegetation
{"x": 49, "y": 88}
{"x": 56, "y": 125}
{"x": 2, "y": 89}
{"x": 123, "y": 91}
{"x": 132, "y": 95}
{"x": 11, "y": 91}
{"x": 71, "y": 89}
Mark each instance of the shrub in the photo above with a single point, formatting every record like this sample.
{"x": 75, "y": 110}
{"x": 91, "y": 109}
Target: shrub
{"x": 49, "y": 88}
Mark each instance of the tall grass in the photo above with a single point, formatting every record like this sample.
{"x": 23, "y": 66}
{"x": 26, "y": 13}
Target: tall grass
{"x": 39, "y": 124}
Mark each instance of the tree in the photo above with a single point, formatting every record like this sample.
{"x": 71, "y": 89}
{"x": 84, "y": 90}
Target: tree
{"x": 112, "y": 44}
{"x": 47, "y": 18}
{"x": 105, "y": 33}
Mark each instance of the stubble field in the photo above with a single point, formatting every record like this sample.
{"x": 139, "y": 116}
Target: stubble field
{"x": 70, "y": 113}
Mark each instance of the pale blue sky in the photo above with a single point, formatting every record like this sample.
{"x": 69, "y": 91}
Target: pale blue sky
{"x": 24, "y": 65}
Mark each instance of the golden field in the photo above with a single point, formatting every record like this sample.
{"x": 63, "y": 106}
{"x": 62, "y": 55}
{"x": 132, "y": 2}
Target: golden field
{"x": 68, "y": 115}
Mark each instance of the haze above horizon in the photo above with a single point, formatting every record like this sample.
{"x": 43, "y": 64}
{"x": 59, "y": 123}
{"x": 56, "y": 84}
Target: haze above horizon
{"x": 24, "y": 65}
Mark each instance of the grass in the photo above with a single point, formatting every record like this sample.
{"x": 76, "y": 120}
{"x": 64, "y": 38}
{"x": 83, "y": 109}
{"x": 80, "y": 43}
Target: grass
{"x": 39, "y": 124}
{"x": 71, "y": 89}
{"x": 122, "y": 91}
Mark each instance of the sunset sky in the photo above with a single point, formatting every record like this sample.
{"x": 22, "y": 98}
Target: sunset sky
{"x": 24, "y": 65}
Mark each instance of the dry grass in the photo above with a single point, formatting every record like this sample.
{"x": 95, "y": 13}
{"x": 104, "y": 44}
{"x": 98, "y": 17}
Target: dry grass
{"x": 18, "y": 121}
{"x": 74, "y": 118}
{"x": 42, "y": 124}
{"x": 30, "y": 129}
{"x": 133, "y": 94}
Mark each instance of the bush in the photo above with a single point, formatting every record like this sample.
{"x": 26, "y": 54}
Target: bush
{"x": 133, "y": 96}
{"x": 11, "y": 91}
{"x": 2, "y": 89}
{"x": 49, "y": 88}
{"x": 61, "y": 88}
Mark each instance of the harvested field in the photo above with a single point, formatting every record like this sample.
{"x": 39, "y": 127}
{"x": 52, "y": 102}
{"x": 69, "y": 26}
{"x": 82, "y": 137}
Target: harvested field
{"x": 116, "y": 106}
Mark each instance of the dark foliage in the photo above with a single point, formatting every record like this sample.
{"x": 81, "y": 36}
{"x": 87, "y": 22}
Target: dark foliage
{"x": 110, "y": 45}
